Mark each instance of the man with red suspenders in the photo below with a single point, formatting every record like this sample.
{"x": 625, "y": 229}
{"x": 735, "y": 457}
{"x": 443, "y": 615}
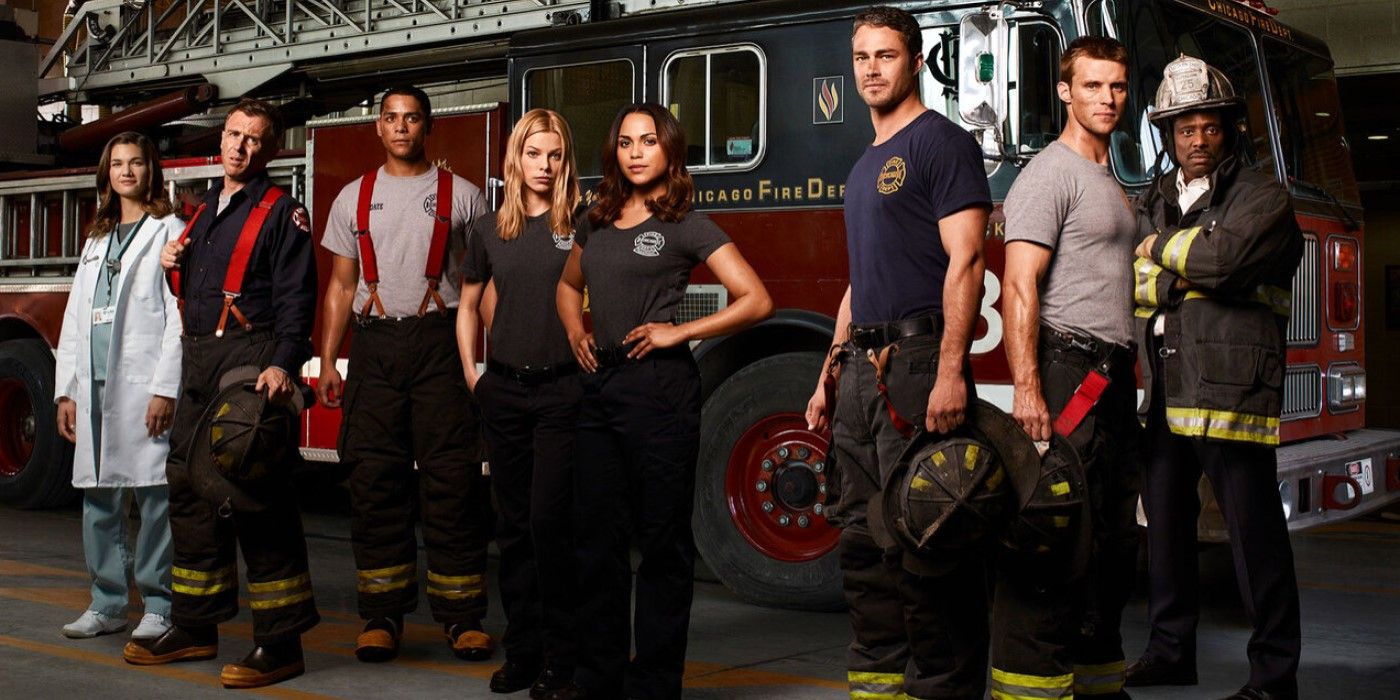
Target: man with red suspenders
{"x": 398, "y": 234}
{"x": 245, "y": 273}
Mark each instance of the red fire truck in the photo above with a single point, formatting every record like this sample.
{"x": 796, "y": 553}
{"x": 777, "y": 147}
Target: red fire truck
{"x": 774, "y": 122}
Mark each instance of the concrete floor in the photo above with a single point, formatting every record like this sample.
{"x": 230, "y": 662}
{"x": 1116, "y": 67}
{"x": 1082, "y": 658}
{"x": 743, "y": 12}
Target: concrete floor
{"x": 1350, "y": 596}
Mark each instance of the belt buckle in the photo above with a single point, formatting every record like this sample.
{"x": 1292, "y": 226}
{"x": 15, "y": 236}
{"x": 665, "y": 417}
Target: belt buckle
{"x": 1088, "y": 346}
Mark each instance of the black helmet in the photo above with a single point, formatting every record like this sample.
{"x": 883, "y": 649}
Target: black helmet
{"x": 1052, "y": 509}
{"x": 950, "y": 494}
{"x": 242, "y": 444}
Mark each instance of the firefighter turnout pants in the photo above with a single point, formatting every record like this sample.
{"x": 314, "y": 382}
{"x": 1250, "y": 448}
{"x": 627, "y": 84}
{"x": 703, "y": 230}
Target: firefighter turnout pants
{"x": 634, "y": 483}
{"x": 1244, "y": 478}
{"x": 529, "y": 428}
{"x": 406, "y": 401}
{"x": 1056, "y": 631}
{"x": 913, "y": 636}
{"x": 204, "y": 573}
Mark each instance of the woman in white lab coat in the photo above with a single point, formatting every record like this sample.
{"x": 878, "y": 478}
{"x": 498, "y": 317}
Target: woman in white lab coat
{"x": 117, "y": 376}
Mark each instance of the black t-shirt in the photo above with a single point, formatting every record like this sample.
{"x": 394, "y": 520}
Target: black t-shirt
{"x": 639, "y": 275}
{"x": 895, "y": 195}
{"x": 526, "y": 331}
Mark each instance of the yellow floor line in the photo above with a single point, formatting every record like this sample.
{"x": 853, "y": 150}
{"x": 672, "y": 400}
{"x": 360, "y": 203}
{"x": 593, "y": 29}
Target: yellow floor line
{"x": 179, "y": 674}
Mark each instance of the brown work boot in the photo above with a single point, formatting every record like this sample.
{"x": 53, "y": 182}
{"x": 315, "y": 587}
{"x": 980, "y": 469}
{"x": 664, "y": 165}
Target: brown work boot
{"x": 468, "y": 642}
{"x": 178, "y": 643}
{"x": 380, "y": 640}
{"x": 265, "y": 665}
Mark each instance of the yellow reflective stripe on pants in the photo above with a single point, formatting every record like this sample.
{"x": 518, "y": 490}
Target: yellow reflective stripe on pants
{"x": 389, "y": 578}
{"x": 455, "y": 587}
{"x": 870, "y": 685}
{"x": 195, "y": 582}
{"x": 1023, "y": 686}
{"x": 1177, "y": 248}
{"x": 1223, "y": 425}
{"x": 1098, "y": 679}
{"x": 277, "y": 594}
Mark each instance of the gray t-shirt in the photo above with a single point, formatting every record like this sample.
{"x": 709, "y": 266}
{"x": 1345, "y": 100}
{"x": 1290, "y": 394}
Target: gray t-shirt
{"x": 639, "y": 275}
{"x": 1076, "y": 208}
{"x": 527, "y": 331}
{"x": 401, "y": 216}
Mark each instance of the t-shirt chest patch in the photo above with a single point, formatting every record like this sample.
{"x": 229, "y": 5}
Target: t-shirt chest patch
{"x": 649, "y": 244}
{"x": 563, "y": 242}
{"x": 891, "y": 176}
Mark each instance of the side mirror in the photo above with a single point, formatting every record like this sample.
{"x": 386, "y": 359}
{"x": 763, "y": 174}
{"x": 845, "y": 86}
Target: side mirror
{"x": 982, "y": 65}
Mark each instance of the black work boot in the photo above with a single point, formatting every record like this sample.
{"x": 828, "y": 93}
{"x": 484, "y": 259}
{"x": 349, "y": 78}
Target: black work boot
{"x": 179, "y": 643}
{"x": 380, "y": 639}
{"x": 515, "y": 674}
{"x": 468, "y": 641}
{"x": 266, "y": 664}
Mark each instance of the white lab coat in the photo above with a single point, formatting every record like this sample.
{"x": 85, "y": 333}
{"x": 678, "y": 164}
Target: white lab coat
{"x": 144, "y": 360}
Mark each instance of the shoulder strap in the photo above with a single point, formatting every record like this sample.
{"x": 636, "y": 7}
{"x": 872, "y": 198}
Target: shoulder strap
{"x": 247, "y": 238}
{"x": 174, "y": 275}
{"x": 442, "y": 225}
{"x": 369, "y": 265}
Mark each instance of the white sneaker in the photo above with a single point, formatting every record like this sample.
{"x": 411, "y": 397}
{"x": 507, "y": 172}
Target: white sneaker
{"x": 152, "y": 625}
{"x": 92, "y": 624}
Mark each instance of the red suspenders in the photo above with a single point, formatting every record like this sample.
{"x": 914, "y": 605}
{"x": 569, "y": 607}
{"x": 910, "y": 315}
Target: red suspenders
{"x": 238, "y": 264}
{"x": 369, "y": 264}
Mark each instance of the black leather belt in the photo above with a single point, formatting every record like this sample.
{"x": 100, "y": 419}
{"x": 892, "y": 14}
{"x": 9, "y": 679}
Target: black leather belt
{"x": 532, "y": 376}
{"x": 880, "y": 335}
{"x": 1098, "y": 352}
{"x": 616, "y": 356}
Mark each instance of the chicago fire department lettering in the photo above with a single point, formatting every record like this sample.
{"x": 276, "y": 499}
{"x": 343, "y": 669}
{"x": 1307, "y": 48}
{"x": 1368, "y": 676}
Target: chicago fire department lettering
{"x": 649, "y": 244}
{"x": 891, "y": 176}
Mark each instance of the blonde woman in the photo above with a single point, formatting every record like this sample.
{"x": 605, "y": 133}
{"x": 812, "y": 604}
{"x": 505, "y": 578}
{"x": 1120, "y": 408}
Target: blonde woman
{"x": 117, "y": 375}
{"x": 529, "y": 397}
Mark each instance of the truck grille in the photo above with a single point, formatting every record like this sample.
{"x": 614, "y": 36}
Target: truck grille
{"x": 1302, "y": 392}
{"x": 1302, "y": 325}
{"x": 701, "y": 300}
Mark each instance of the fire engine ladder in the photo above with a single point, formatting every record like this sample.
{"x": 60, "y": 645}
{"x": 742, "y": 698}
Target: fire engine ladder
{"x": 239, "y": 45}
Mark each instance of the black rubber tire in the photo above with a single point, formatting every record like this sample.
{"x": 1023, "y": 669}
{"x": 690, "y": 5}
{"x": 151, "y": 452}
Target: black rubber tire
{"x": 778, "y": 384}
{"x": 45, "y": 480}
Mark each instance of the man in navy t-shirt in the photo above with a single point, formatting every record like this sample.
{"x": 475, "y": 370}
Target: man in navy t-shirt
{"x": 916, "y": 214}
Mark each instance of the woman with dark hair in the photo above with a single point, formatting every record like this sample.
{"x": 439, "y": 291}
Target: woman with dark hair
{"x": 122, "y": 324}
{"x": 529, "y": 397}
{"x": 639, "y": 428}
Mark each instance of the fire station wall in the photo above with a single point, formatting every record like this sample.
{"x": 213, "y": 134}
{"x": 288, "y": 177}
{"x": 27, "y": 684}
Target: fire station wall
{"x": 1364, "y": 35}
{"x": 1382, "y": 305}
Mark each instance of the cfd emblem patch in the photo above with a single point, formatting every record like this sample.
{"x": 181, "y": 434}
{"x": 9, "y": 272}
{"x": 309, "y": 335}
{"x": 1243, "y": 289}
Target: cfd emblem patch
{"x": 891, "y": 176}
{"x": 649, "y": 244}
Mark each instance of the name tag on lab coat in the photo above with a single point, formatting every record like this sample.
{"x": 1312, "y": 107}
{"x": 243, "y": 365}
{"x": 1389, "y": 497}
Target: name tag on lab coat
{"x": 103, "y": 315}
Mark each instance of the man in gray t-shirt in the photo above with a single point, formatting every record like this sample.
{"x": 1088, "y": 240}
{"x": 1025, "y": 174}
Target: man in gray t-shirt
{"x": 1068, "y": 309}
{"x": 405, "y": 401}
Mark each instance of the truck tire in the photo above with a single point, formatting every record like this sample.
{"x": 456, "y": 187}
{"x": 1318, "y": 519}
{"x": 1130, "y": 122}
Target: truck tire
{"x": 761, "y": 488}
{"x": 36, "y": 464}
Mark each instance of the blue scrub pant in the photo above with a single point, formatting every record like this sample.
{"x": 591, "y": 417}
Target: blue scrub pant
{"x": 106, "y": 541}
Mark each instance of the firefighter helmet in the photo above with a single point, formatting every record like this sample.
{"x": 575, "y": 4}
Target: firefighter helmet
{"x": 1052, "y": 509}
{"x": 242, "y": 444}
{"x": 949, "y": 494}
{"x": 1190, "y": 84}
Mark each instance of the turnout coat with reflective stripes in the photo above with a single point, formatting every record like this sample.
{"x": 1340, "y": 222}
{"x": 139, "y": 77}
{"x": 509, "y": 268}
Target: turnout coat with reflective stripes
{"x": 1234, "y": 253}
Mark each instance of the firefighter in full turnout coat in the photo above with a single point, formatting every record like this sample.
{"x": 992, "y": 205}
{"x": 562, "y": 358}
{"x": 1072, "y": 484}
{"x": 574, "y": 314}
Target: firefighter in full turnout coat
{"x": 397, "y": 235}
{"x": 247, "y": 284}
{"x": 1218, "y": 248}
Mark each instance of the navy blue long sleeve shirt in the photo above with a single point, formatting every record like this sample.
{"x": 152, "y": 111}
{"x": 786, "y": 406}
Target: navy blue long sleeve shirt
{"x": 279, "y": 286}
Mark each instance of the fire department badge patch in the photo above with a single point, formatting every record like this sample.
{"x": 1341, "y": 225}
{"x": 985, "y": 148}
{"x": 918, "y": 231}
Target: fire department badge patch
{"x": 301, "y": 220}
{"x": 563, "y": 242}
{"x": 891, "y": 176}
{"x": 649, "y": 244}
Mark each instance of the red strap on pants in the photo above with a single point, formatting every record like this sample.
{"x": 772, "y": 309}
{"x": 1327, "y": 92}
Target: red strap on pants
{"x": 1082, "y": 402}
{"x": 174, "y": 275}
{"x": 879, "y": 361}
{"x": 437, "y": 250}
